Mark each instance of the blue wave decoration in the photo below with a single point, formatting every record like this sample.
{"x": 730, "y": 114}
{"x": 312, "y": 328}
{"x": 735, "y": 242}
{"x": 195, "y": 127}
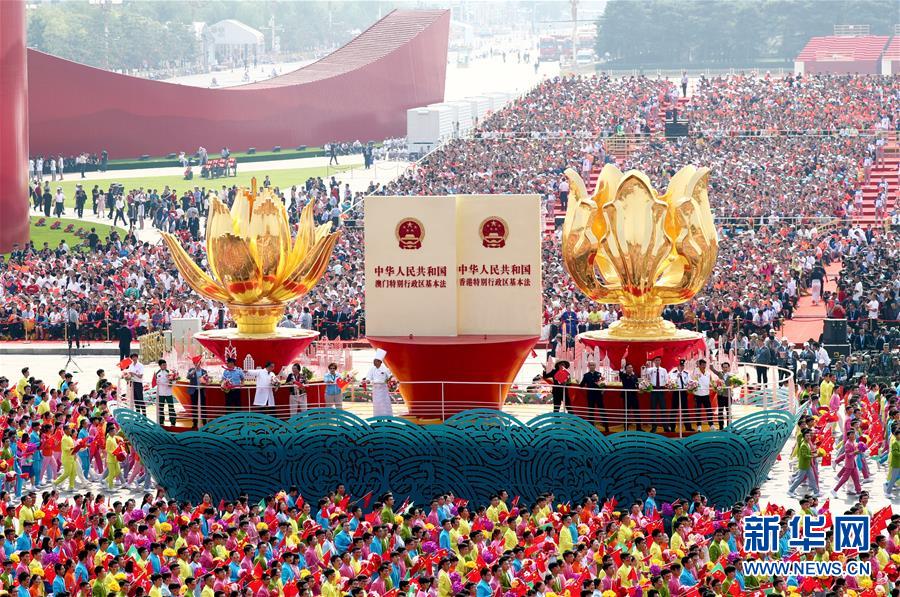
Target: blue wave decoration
{"x": 473, "y": 454}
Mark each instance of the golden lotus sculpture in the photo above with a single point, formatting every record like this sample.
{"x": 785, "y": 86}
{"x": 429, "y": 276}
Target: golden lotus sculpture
{"x": 255, "y": 268}
{"x": 628, "y": 245}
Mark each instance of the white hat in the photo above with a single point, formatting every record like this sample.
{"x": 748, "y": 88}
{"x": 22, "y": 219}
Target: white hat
{"x": 380, "y": 354}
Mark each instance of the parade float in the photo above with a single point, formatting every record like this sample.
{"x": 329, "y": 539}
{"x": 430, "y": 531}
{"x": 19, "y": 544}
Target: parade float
{"x": 623, "y": 244}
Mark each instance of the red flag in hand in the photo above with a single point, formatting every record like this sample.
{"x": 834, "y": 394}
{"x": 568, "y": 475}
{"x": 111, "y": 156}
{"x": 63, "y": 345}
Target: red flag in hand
{"x": 367, "y": 498}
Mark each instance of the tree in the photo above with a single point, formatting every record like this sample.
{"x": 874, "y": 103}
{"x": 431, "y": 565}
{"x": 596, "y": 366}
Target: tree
{"x": 726, "y": 33}
{"x": 153, "y": 34}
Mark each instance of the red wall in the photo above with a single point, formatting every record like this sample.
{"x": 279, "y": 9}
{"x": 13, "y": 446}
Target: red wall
{"x": 837, "y": 67}
{"x": 76, "y": 108}
{"x": 13, "y": 126}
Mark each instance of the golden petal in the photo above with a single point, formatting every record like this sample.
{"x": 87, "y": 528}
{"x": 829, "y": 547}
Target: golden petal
{"x": 195, "y": 277}
{"x": 322, "y": 230}
{"x": 303, "y": 242}
{"x": 697, "y": 244}
{"x": 698, "y": 189}
{"x": 307, "y": 274}
{"x": 637, "y": 243}
{"x": 305, "y": 231}
{"x": 237, "y": 267}
{"x": 241, "y": 212}
{"x": 582, "y": 228}
{"x": 268, "y": 229}
{"x": 610, "y": 178}
{"x": 218, "y": 223}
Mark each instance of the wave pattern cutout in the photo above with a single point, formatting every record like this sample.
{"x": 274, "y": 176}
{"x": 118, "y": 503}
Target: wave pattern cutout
{"x": 474, "y": 454}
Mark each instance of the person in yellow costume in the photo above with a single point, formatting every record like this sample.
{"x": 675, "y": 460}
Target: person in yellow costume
{"x": 67, "y": 445}
{"x": 826, "y": 389}
{"x": 445, "y": 585}
{"x": 678, "y": 544}
{"x": 893, "y": 462}
{"x": 112, "y": 463}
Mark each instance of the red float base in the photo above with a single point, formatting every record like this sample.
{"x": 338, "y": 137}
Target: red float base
{"x": 281, "y": 348}
{"x": 214, "y": 403}
{"x": 442, "y": 376}
{"x": 638, "y": 352}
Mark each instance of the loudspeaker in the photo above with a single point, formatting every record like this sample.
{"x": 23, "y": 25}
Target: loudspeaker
{"x": 842, "y": 349}
{"x": 834, "y": 331}
{"x": 676, "y": 129}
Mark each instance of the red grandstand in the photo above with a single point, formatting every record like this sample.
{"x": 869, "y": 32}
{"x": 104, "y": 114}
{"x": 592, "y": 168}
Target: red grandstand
{"x": 842, "y": 54}
{"x": 361, "y": 91}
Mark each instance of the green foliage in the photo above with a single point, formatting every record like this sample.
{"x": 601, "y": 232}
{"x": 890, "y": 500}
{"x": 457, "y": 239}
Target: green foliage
{"x": 726, "y": 33}
{"x": 152, "y": 34}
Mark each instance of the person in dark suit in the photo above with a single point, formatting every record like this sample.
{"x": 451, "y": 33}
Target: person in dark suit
{"x": 591, "y": 382}
{"x": 123, "y": 333}
{"x": 558, "y": 377}
{"x": 47, "y": 198}
{"x": 331, "y": 323}
{"x": 630, "y": 385}
{"x": 197, "y": 378}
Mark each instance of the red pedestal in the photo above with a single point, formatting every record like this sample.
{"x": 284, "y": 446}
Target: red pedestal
{"x": 640, "y": 351}
{"x": 215, "y": 400}
{"x": 442, "y": 376}
{"x": 614, "y": 401}
{"x": 14, "y": 224}
{"x": 281, "y": 348}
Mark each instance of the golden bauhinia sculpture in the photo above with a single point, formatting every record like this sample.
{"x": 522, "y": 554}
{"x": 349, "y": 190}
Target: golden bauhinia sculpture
{"x": 255, "y": 268}
{"x": 628, "y": 245}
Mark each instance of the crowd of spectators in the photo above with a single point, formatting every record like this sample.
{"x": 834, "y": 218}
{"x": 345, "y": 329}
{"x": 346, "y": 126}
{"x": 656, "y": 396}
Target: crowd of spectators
{"x": 806, "y": 104}
{"x": 62, "y": 536}
{"x": 773, "y": 195}
{"x": 119, "y": 281}
{"x": 868, "y": 293}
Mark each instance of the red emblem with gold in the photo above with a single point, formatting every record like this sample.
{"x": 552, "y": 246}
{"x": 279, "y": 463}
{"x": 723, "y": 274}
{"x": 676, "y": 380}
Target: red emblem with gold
{"x": 410, "y": 233}
{"x": 494, "y": 231}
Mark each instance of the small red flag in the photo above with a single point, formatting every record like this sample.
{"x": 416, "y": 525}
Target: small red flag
{"x": 367, "y": 498}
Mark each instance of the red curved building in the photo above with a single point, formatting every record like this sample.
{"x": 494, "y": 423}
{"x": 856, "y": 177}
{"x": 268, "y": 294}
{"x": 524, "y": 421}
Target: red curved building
{"x": 360, "y": 91}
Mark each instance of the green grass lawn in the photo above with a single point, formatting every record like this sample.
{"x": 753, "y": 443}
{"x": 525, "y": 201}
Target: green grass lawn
{"x": 43, "y": 234}
{"x": 157, "y": 161}
{"x": 279, "y": 178}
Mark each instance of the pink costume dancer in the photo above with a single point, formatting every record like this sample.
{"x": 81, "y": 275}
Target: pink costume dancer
{"x": 849, "y": 471}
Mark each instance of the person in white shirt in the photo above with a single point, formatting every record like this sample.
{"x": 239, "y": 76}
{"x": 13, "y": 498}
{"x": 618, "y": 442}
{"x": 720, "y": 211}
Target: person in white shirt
{"x": 564, "y": 193}
{"x": 872, "y": 310}
{"x": 60, "y": 206}
{"x": 266, "y": 384}
{"x": 135, "y": 376}
{"x": 659, "y": 378}
{"x": 822, "y": 358}
{"x": 379, "y": 376}
{"x": 165, "y": 379}
{"x": 678, "y": 378}
{"x": 703, "y": 377}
